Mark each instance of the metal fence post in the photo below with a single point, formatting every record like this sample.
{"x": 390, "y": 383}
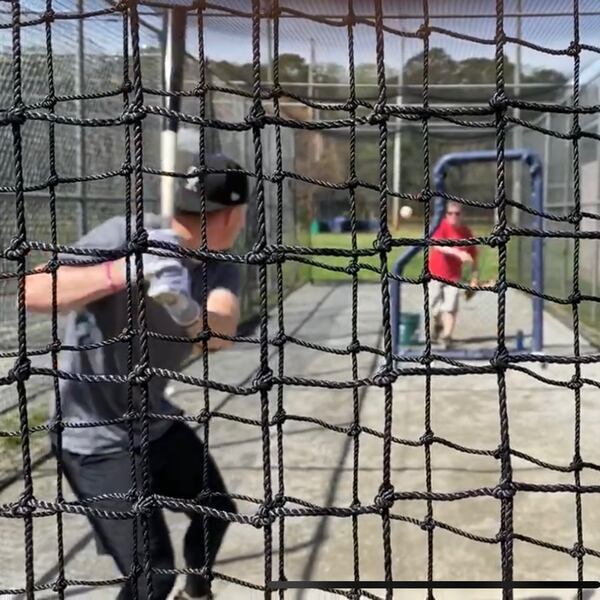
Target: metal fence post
{"x": 80, "y": 110}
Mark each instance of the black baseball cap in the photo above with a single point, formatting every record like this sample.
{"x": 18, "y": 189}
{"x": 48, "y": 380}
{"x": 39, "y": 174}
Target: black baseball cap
{"x": 223, "y": 190}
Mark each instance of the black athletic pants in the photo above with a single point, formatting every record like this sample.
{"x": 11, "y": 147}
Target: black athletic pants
{"x": 176, "y": 465}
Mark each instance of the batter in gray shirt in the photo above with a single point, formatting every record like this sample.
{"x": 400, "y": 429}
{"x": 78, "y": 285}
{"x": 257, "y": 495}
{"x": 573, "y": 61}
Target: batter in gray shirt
{"x": 105, "y": 319}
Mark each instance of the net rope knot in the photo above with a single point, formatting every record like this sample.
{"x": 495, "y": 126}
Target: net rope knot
{"x": 353, "y": 347}
{"x": 49, "y": 15}
{"x": 349, "y": 19}
{"x": 257, "y": 117}
{"x": 17, "y": 249}
{"x": 138, "y": 242}
{"x": 274, "y": 11}
{"x": 377, "y": 116}
{"x": 577, "y": 551}
{"x": 53, "y": 180}
{"x": 277, "y": 92}
{"x": 25, "y": 506}
{"x": 383, "y": 242}
{"x": 122, "y": 5}
{"x": 280, "y": 339}
{"x": 15, "y": 115}
{"x": 423, "y": 31}
{"x": 498, "y": 237}
{"x": 498, "y": 101}
{"x": 133, "y": 113}
{"x": 265, "y": 515}
{"x": 352, "y": 268}
{"x": 55, "y": 346}
{"x": 279, "y": 417}
{"x": 352, "y": 183}
{"x": 126, "y": 169}
{"x": 49, "y": 102}
{"x": 21, "y": 370}
{"x": 385, "y": 497}
{"x": 576, "y": 464}
{"x": 575, "y": 383}
{"x": 384, "y": 376}
{"x": 574, "y": 48}
{"x": 504, "y": 491}
{"x": 498, "y": 452}
{"x": 203, "y": 336}
{"x": 131, "y": 416}
{"x": 426, "y": 358}
{"x": 425, "y": 195}
{"x": 427, "y": 438}
{"x": 145, "y": 505}
{"x": 52, "y": 266}
{"x": 59, "y": 584}
{"x": 258, "y": 256}
{"x": 263, "y": 382}
{"x": 428, "y": 524}
{"x": 425, "y": 276}
{"x": 354, "y": 430}
{"x": 203, "y": 416}
{"x": 277, "y": 176}
{"x": 501, "y": 359}
{"x": 574, "y": 216}
{"x": 275, "y": 256}
{"x": 140, "y": 374}
{"x": 501, "y": 537}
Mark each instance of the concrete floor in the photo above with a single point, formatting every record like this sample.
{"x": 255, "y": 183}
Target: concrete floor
{"x": 318, "y": 464}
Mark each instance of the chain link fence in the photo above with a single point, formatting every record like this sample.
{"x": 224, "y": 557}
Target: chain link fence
{"x": 559, "y": 187}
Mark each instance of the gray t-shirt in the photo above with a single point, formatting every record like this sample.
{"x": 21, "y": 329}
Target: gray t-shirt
{"x": 106, "y": 319}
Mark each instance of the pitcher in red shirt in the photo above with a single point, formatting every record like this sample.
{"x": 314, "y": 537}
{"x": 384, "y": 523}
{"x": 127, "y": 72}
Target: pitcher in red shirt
{"x": 447, "y": 263}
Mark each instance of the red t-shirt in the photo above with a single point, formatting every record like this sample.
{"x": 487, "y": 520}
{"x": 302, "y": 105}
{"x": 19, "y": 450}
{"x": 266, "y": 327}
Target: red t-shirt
{"x": 447, "y": 266}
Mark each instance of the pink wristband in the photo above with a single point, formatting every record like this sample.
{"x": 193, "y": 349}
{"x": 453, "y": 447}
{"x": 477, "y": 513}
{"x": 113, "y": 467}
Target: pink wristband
{"x": 111, "y": 282}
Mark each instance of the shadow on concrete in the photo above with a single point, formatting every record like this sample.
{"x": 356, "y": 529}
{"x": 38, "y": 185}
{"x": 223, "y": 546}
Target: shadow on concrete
{"x": 321, "y": 530}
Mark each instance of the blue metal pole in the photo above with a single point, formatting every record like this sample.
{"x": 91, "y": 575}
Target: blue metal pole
{"x": 460, "y": 158}
{"x": 537, "y": 262}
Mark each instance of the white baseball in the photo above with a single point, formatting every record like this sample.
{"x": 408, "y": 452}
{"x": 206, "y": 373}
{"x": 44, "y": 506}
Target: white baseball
{"x": 406, "y": 212}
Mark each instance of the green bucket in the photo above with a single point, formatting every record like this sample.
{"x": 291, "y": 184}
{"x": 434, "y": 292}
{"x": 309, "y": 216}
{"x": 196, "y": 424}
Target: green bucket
{"x": 408, "y": 328}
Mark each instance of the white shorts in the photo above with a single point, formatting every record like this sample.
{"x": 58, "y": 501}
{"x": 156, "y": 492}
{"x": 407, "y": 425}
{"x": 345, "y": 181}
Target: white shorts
{"x": 443, "y": 298}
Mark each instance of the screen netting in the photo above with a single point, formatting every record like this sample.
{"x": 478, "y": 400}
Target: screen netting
{"x": 111, "y": 103}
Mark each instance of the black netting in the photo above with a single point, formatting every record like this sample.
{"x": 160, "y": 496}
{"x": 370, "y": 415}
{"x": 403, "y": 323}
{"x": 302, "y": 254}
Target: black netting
{"x": 51, "y": 195}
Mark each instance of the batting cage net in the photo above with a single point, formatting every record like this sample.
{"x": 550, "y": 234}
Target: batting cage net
{"x": 351, "y": 465}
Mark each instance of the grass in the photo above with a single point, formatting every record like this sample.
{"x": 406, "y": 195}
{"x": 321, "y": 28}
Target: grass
{"x": 9, "y": 422}
{"x": 488, "y": 258}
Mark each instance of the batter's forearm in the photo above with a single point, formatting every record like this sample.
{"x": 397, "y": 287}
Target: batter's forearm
{"x": 76, "y": 287}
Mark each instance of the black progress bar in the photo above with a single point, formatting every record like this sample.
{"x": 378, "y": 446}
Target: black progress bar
{"x": 353, "y": 585}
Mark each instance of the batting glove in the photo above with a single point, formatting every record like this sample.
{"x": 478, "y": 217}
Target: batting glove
{"x": 170, "y": 287}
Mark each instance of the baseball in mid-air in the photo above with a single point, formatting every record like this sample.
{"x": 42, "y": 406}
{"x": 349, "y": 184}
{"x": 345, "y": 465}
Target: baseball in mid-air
{"x": 406, "y": 212}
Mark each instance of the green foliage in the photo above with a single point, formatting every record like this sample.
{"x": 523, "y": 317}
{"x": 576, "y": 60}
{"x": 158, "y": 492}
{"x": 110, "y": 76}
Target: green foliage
{"x": 488, "y": 260}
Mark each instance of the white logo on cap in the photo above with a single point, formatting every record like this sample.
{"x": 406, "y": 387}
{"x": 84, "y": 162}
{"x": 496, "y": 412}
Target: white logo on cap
{"x": 192, "y": 183}
{"x": 235, "y": 196}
